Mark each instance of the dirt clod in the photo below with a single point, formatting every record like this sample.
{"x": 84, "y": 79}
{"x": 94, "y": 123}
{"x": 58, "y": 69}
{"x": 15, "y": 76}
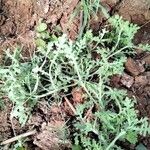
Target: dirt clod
{"x": 127, "y": 80}
{"x": 141, "y": 81}
{"x": 134, "y": 67}
{"x": 134, "y": 10}
{"x": 78, "y": 95}
{"x": 52, "y": 138}
{"x": 143, "y": 34}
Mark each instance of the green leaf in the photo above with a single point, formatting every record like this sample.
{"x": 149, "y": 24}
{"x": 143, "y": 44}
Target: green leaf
{"x": 54, "y": 37}
{"x": 76, "y": 147}
{"x": 40, "y": 43}
{"x": 41, "y": 27}
{"x": 132, "y": 137}
{"x": 20, "y": 148}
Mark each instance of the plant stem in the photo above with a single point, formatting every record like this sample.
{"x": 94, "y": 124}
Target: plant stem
{"x": 54, "y": 91}
{"x": 118, "y": 51}
{"x": 115, "y": 139}
{"x": 80, "y": 79}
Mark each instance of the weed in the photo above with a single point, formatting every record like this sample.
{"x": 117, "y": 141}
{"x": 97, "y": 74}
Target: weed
{"x": 60, "y": 64}
{"x": 86, "y": 9}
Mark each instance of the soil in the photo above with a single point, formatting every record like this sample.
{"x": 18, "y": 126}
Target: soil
{"x": 18, "y": 20}
{"x": 5, "y": 125}
{"x": 135, "y": 11}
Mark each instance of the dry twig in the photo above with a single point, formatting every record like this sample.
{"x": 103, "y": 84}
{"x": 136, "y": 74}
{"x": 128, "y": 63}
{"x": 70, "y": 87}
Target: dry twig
{"x": 70, "y": 105}
{"x": 18, "y": 137}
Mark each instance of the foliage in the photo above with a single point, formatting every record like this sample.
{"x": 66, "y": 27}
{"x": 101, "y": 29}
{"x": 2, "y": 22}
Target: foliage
{"x": 60, "y": 64}
{"x": 86, "y": 9}
{"x": 18, "y": 81}
{"x": 19, "y": 146}
{"x": 145, "y": 47}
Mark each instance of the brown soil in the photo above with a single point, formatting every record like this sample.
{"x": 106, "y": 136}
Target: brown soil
{"x": 18, "y": 19}
{"x": 135, "y": 11}
{"x": 143, "y": 35}
{"x": 5, "y": 125}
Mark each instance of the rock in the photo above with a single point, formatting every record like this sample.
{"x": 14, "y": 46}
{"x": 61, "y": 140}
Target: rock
{"x": 146, "y": 59}
{"x": 141, "y": 80}
{"x": 134, "y": 67}
{"x": 127, "y": 80}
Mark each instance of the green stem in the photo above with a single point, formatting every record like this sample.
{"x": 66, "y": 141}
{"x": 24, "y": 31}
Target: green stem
{"x": 54, "y": 91}
{"x": 115, "y": 53}
{"x": 80, "y": 79}
{"x": 50, "y": 70}
{"x": 115, "y": 139}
